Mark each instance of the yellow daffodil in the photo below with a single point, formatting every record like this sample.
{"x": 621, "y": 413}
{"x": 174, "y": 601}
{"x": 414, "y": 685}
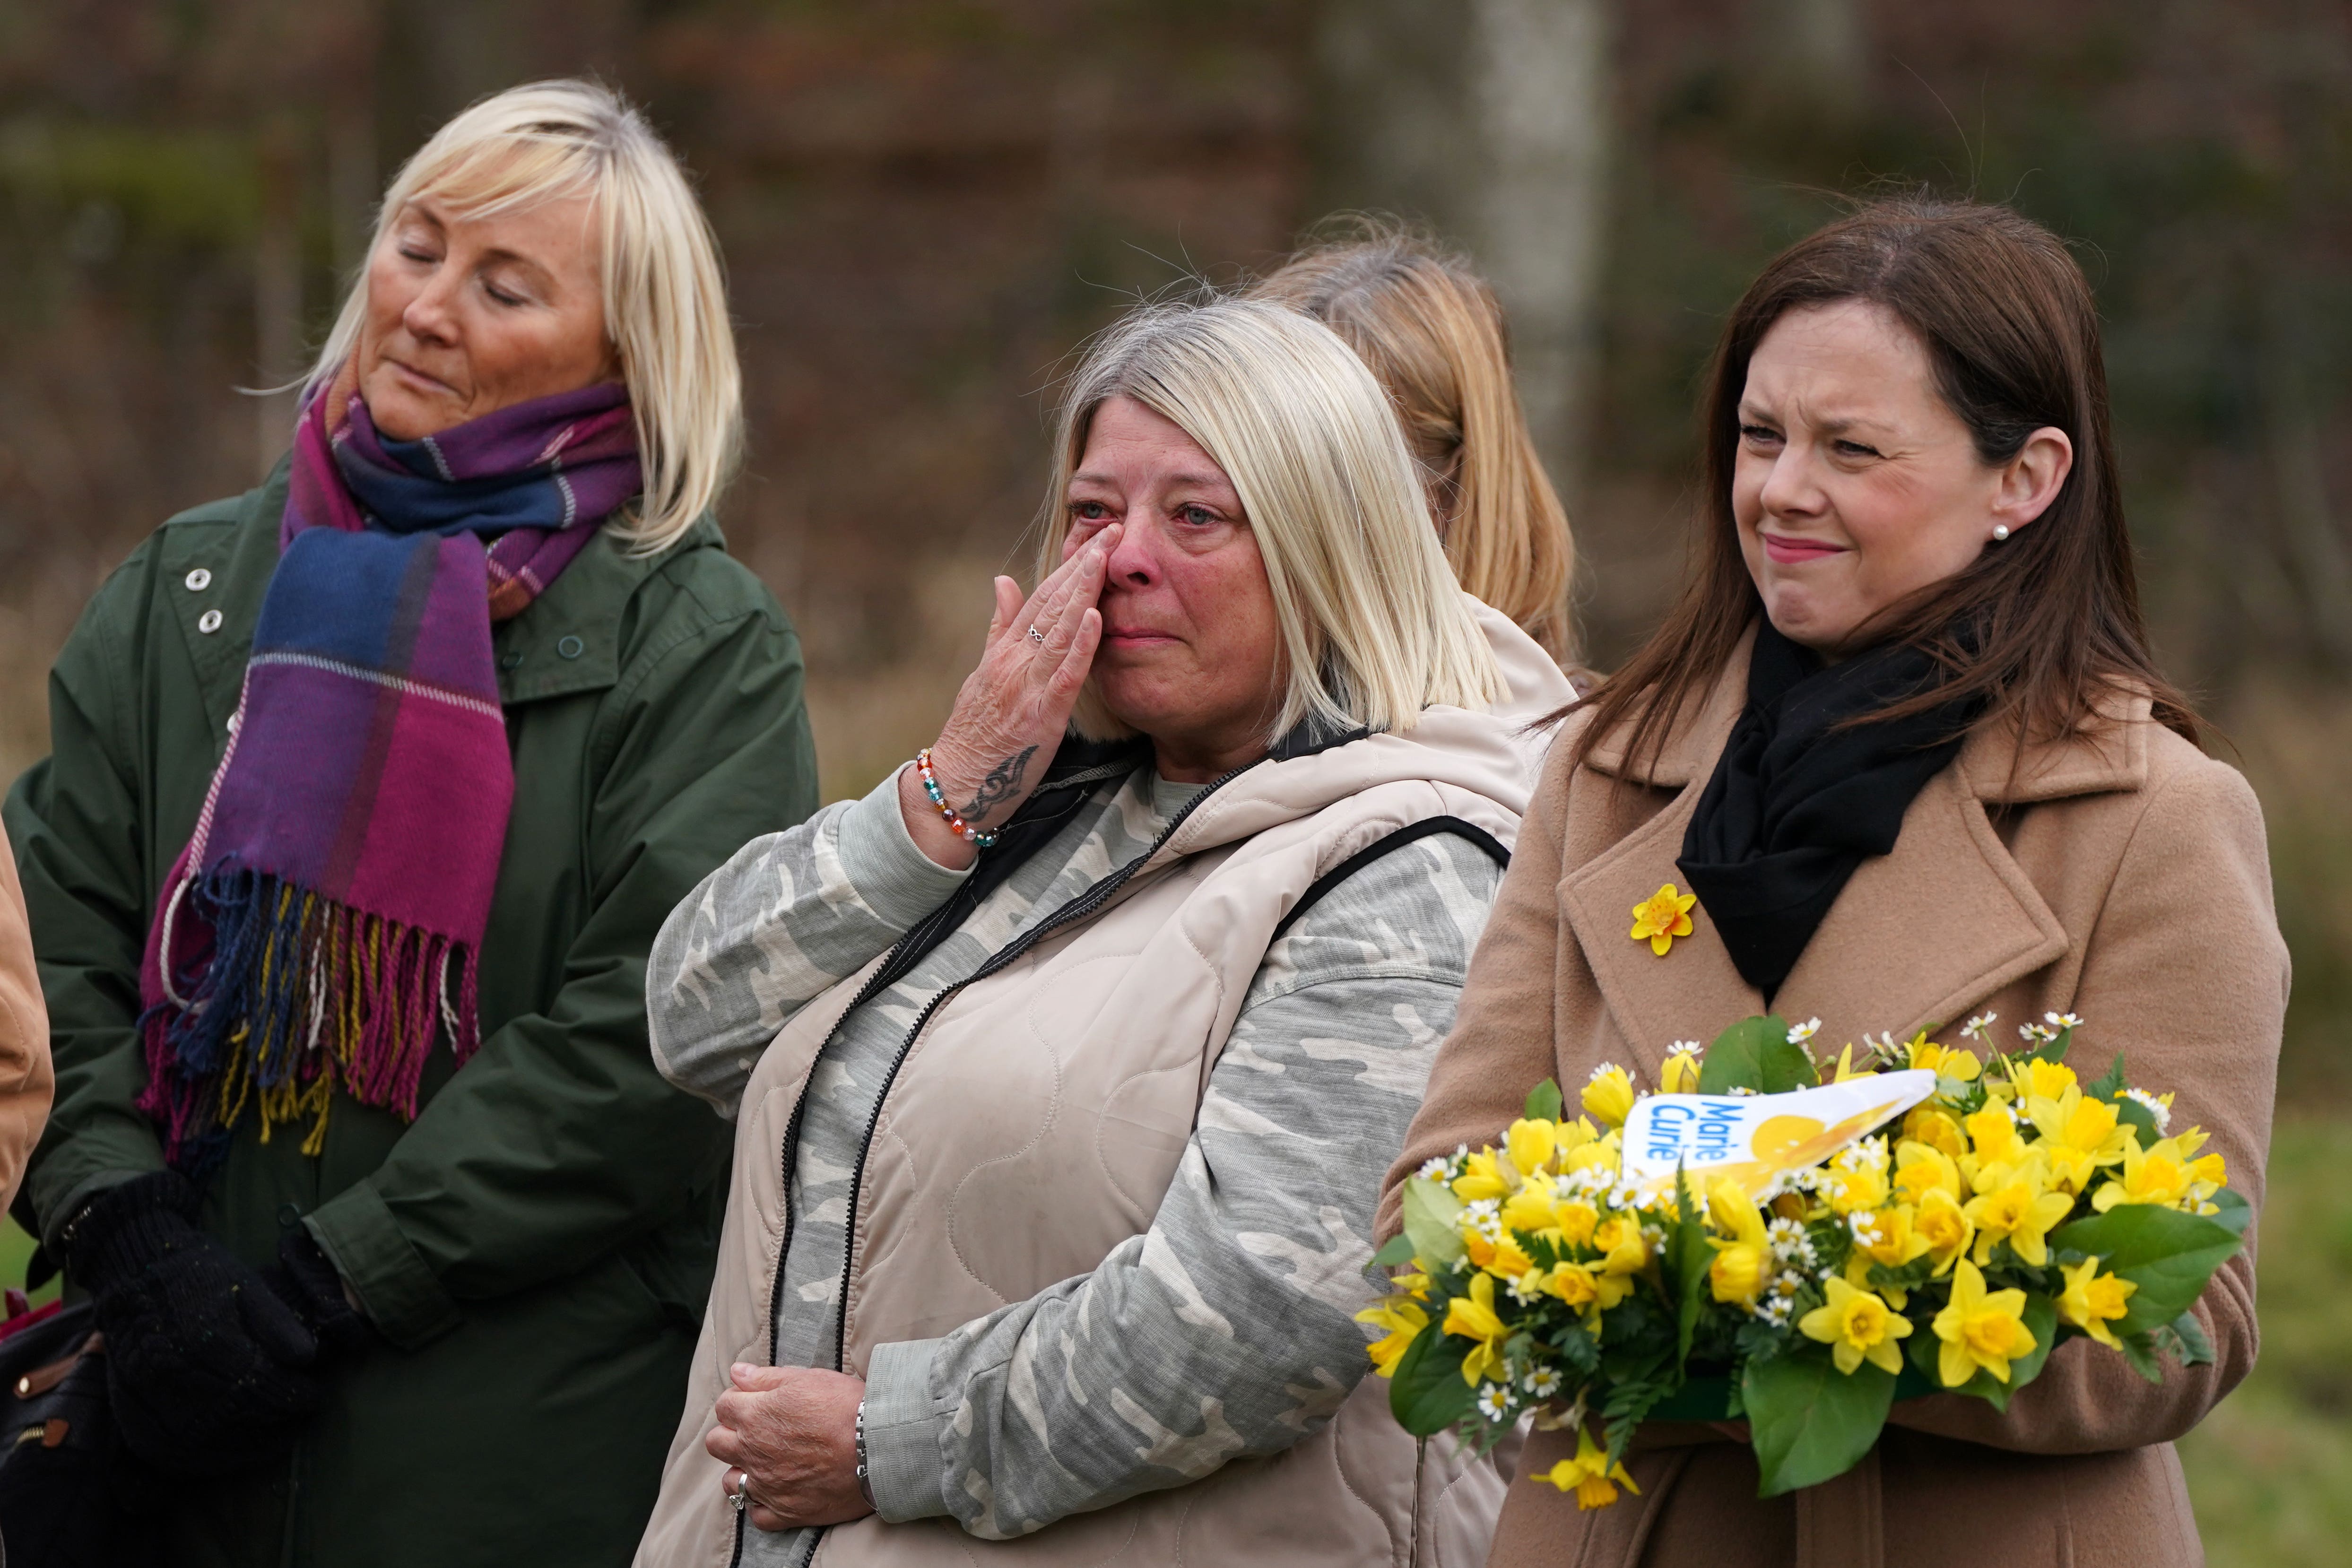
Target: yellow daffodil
{"x": 1590, "y": 1475}
{"x": 1945, "y": 1225}
{"x": 1992, "y": 1140}
{"x": 2092, "y": 1300}
{"x": 1529, "y": 1144}
{"x": 1680, "y": 1075}
{"x": 1662, "y": 918}
{"x": 1919, "y": 1167}
{"x": 2039, "y": 1080}
{"x": 1846, "y": 1068}
{"x": 1960, "y": 1064}
{"x": 1858, "y": 1189}
{"x": 1857, "y": 1327}
{"x": 1744, "y": 1261}
{"x": 1925, "y": 1124}
{"x": 1532, "y": 1210}
{"x": 1623, "y": 1254}
{"x": 1503, "y": 1258}
{"x": 1980, "y": 1330}
{"x": 1486, "y": 1175}
{"x": 2207, "y": 1175}
{"x": 1890, "y": 1239}
{"x": 1601, "y": 1154}
{"x": 1473, "y": 1317}
{"x": 1609, "y": 1095}
{"x": 1403, "y": 1317}
{"x": 2073, "y": 1118}
{"x": 2014, "y": 1204}
{"x": 1575, "y": 1220}
{"x": 1573, "y": 1283}
{"x": 2149, "y": 1176}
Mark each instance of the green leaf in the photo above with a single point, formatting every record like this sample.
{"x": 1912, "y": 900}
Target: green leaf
{"x": 1394, "y": 1253}
{"x": 2190, "y": 1342}
{"x": 2167, "y": 1254}
{"x": 1427, "y": 1395}
{"x": 1705, "y": 1397}
{"x": 1429, "y": 1210}
{"x": 2236, "y": 1213}
{"x": 2051, "y": 1049}
{"x": 1688, "y": 1257}
{"x": 2138, "y": 1117}
{"x": 2111, "y": 1085}
{"x": 2139, "y": 1352}
{"x": 1754, "y": 1053}
{"x": 1544, "y": 1102}
{"x": 1810, "y": 1422}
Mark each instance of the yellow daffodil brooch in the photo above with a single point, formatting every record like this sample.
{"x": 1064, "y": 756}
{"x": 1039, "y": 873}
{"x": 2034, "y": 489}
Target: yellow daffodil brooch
{"x": 1662, "y": 918}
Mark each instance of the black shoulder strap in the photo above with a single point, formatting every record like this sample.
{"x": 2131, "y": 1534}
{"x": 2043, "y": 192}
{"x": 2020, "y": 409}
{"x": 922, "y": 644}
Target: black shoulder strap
{"x": 1363, "y": 857}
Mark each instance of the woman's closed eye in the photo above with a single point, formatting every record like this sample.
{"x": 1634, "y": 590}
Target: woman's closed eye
{"x": 1759, "y": 434}
{"x": 1854, "y": 449}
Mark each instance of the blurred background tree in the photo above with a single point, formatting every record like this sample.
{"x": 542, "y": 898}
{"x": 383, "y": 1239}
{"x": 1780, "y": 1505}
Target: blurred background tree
{"x": 926, "y": 204}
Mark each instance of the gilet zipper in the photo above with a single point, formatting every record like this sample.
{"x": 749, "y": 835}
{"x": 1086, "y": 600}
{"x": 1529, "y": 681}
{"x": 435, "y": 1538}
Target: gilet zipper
{"x": 1079, "y": 908}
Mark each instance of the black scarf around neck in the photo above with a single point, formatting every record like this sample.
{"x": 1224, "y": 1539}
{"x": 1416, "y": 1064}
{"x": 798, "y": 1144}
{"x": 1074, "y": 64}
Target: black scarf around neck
{"x": 1796, "y": 804}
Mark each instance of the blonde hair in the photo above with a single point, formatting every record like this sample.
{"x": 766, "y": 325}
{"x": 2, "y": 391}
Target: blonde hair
{"x": 1434, "y": 334}
{"x": 664, "y": 295}
{"x": 1373, "y": 626}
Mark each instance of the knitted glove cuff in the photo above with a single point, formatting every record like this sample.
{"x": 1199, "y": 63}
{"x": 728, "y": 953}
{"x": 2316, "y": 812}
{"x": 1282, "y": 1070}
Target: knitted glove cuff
{"x": 306, "y": 1278}
{"x": 128, "y": 1226}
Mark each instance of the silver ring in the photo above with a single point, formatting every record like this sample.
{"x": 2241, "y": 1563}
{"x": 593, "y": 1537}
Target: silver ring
{"x": 1037, "y": 636}
{"x": 741, "y": 1495}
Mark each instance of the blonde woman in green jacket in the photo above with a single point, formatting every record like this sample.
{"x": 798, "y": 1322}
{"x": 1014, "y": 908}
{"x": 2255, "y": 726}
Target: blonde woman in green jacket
{"x": 369, "y": 792}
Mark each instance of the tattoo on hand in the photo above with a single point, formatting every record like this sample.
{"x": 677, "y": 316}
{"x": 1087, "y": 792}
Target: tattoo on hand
{"x": 1003, "y": 782}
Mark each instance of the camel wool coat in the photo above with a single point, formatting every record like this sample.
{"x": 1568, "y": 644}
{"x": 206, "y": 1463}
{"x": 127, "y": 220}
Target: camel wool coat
{"x": 2120, "y": 875}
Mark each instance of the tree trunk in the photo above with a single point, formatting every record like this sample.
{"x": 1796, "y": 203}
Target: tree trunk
{"x": 1490, "y": 122}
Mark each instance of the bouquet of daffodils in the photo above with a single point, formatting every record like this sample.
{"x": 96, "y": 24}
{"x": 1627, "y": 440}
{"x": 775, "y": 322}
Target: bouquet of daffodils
{"x": 1797, "y": 1244}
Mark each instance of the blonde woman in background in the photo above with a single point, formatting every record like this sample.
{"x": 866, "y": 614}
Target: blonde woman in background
{"x": 1053, "y": 1196}
{"x": 1432, "y": 333}
{"x": 368, "y": 792}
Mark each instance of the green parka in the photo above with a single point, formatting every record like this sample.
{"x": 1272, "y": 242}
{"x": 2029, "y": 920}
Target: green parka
{"x": 536, "y": 1248}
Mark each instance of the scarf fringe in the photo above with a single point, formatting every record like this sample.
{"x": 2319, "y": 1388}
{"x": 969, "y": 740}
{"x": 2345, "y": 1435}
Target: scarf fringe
{"x": 298, "y": 996}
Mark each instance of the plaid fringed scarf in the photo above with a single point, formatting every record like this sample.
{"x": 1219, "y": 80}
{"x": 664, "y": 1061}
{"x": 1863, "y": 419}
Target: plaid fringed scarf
{"x": 324, "y": 923}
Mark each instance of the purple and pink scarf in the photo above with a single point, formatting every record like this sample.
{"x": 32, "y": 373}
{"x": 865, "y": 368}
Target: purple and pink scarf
{"x": 323, "y": 926}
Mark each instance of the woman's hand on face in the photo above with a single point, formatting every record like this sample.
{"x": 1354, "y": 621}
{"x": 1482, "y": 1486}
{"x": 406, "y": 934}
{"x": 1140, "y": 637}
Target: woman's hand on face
{"x": 1010, "y": 714}
{"x": 788, "y": 1436}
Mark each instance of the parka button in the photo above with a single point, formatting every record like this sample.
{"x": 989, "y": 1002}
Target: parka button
{"x": 572, "y": 647}
{"x": 511, "y": 659}
{"x": 209, "y": 622}
{"x": 288, "y": 1216}
{"x": 199, "y": 579}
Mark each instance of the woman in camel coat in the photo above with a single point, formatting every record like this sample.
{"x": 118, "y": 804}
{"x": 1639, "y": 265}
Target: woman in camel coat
{"x": 1903, "y": 738}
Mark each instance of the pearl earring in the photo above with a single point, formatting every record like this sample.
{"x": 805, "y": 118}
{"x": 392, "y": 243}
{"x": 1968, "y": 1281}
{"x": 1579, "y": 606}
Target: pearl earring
{"x": 2000, "y": 532}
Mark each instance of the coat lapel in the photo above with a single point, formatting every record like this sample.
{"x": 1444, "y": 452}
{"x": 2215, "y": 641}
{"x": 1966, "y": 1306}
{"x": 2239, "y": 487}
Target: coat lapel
{"x": 1918, "y": 937}
{"x": 1691, "y": 992}
{"x": 1943, "y": 921}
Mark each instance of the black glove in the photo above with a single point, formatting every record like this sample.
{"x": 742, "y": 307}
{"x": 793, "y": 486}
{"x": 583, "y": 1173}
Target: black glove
{"x": 306, "y": 1281}
{"x": 206, "y": 1368}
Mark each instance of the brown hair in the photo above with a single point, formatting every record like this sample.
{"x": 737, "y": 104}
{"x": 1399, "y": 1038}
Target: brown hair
{"x": 1432, "y": 333}
{"x": 2036, "y": 627}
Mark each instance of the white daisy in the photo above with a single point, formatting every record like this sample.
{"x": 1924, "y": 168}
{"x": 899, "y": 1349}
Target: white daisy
{"x": 1800, "y": 1033}
{"x": 1975, "y": 1027}
{"x": 2156, "y": 1108}
{"x": 1542, "y": 1383}
{"x": 1494, "y": 1402}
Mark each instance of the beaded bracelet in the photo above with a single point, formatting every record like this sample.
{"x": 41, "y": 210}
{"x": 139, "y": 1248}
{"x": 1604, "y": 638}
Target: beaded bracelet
{"x": 963, "y": 830}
